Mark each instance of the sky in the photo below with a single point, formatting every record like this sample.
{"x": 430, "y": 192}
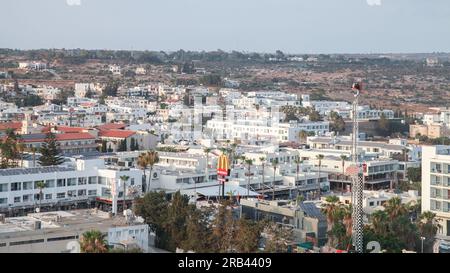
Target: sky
{"x": 293, "y": 26}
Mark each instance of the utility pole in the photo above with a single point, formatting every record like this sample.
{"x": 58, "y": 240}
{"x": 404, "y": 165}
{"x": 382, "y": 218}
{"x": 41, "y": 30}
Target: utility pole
{"x": 357, "y": 178}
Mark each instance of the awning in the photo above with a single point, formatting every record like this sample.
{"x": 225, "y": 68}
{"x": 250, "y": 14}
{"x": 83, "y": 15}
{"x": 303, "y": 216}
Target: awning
{"x": 214, "y": 191}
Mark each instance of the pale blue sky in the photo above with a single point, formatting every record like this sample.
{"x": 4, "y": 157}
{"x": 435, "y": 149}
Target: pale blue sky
{"x": 293, "y": 26}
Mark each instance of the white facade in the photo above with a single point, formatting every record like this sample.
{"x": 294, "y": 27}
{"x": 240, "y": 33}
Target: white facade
{"x": 129, "y": 236}
{"x": 436, "y": 184}
{"x": 87, "y": 179}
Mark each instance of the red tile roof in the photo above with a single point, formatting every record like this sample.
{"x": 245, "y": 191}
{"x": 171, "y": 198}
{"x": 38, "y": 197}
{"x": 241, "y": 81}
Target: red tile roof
{"x": 10, "y": 125}
{"x": 33, "y": 138}
{"x": 74, "y": 136}
{"x": 109, "y": 126}
{"x": 116, "y": 133}
{"x": 67, "y": 129}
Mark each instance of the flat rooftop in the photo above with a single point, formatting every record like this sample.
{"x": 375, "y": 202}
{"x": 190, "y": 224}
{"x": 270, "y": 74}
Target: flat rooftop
{"x": 56, "y": 222}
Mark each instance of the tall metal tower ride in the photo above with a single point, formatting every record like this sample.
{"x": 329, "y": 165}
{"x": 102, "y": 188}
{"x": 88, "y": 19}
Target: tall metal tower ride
{"x": 357, "y": 178}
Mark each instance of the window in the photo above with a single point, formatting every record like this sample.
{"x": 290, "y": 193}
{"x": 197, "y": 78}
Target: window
{"x": 92, "y": 179}
{"x": 3, "y": 201}
{"x": 48, "y": 196}
{"x": 92, "y": 192}
{"x": 82, "y": 180}
{"x": 27, "y": 185}
{"x": 16, "y": 186}
{"x": 71, "y": 181}
{"x": 72, "y": 193}
{"x": 371, "y": 204}
{"x": 102, "y": 180}
{"x": 61, "y": 182}
{"x": 50, "y": 183}
{"x": 27, "y": 198}
{"x": 132, "y": 181}
{"x": 17, "y": 199}
{"x": 4, "y": 187}
{"x": 81, "y": 192}
{"x": 61, "y": 195}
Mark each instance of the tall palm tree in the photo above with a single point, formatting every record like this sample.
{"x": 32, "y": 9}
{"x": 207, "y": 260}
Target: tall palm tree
{"x": 153, "y": 158}
{"x": 379, "y": 220}
{"x": 274, "y": 165}
{"x": 297, "y": 161}
{"x": 249, "y": 163}
{"x": 394, "y": 208}
{"x": 124, "y": 179}
{"x": 21, "y": 149}
{"x": 428, "y": 227}
{"x": 262, "y": 159}
{"x": 331, "y": 209}
{"x": 142, "y": 162}
{"x": 233, "y": 153}
{"x": 343, "y": 159}
{"x": 319, "y": 157}
{"x": 33, "y": 150}
{"x": 93, "y": 241}
{"x": 40, "y": 185}
{"x": 347, "y": 220}
{"x": 207, "y": 151}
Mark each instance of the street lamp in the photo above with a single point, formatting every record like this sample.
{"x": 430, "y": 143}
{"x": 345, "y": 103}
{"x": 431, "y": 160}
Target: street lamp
{"x": 422, "y": 239}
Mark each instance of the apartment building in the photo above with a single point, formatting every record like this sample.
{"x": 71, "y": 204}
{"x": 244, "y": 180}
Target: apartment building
{"x": 436, "y": 184}
{"x": 80, "y": 181}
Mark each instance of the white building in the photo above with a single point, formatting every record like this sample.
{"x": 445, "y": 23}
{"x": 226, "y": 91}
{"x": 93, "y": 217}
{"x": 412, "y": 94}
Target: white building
{"x": 128, "y": 237}
{"x": 436, "y": 184}
{"x": 115, "y": 69}
{"x": 80, "y": 181}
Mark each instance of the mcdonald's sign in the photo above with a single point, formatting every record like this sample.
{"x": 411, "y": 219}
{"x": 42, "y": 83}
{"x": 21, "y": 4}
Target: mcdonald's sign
{"x": 223, "y": 165}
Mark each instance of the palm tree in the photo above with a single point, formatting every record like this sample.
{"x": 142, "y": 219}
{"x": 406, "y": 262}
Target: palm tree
{"x": 319, "y": 157}
{"x": 274, "y": 165}
{"x": 124, "y": 179}
{"x": 249, "y": 163}
{"x": 262, "y": 159}
{"x": 394, "y": 208}
{"x": 297, "y": 161}
{"x": 330, "y": 209}
{"x": 33, "y": 150}
{"x": 21, "y": 149}
{"x": 233, "y": 153}
{"x": 93, "y": 241}
{"x": 142, "y": 162}
{"x": 207, "y": 151}
{"x": 428, "y": 227}
{"x": 343, "y": 159}
{"x": 153, "y": 158}
{"x": 40, "y": 185}
{"x": 379, "y": 220}
{"x": 347, "y": 220}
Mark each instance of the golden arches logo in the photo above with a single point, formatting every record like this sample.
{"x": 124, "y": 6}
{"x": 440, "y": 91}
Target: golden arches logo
{"x": 222, "y": 165}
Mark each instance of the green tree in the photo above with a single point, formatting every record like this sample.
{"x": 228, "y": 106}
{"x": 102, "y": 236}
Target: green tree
{"x": 93, "y": 241}
{"x": 249, "y": 233}
{"x": 153, "y": 208}
{"x": 414, "y": 174}
{"x": 40, "y": 185}
{"x": 9, "y": 150}
{"x": 176, "y": 221}
{"x": 320, "y": 158}
{"x": 50, "y": 152}
{"x": 337, "y": 122}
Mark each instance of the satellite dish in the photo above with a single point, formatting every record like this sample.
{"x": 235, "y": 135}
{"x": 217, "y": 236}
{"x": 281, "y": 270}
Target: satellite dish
{"x": 37, "y": 210}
